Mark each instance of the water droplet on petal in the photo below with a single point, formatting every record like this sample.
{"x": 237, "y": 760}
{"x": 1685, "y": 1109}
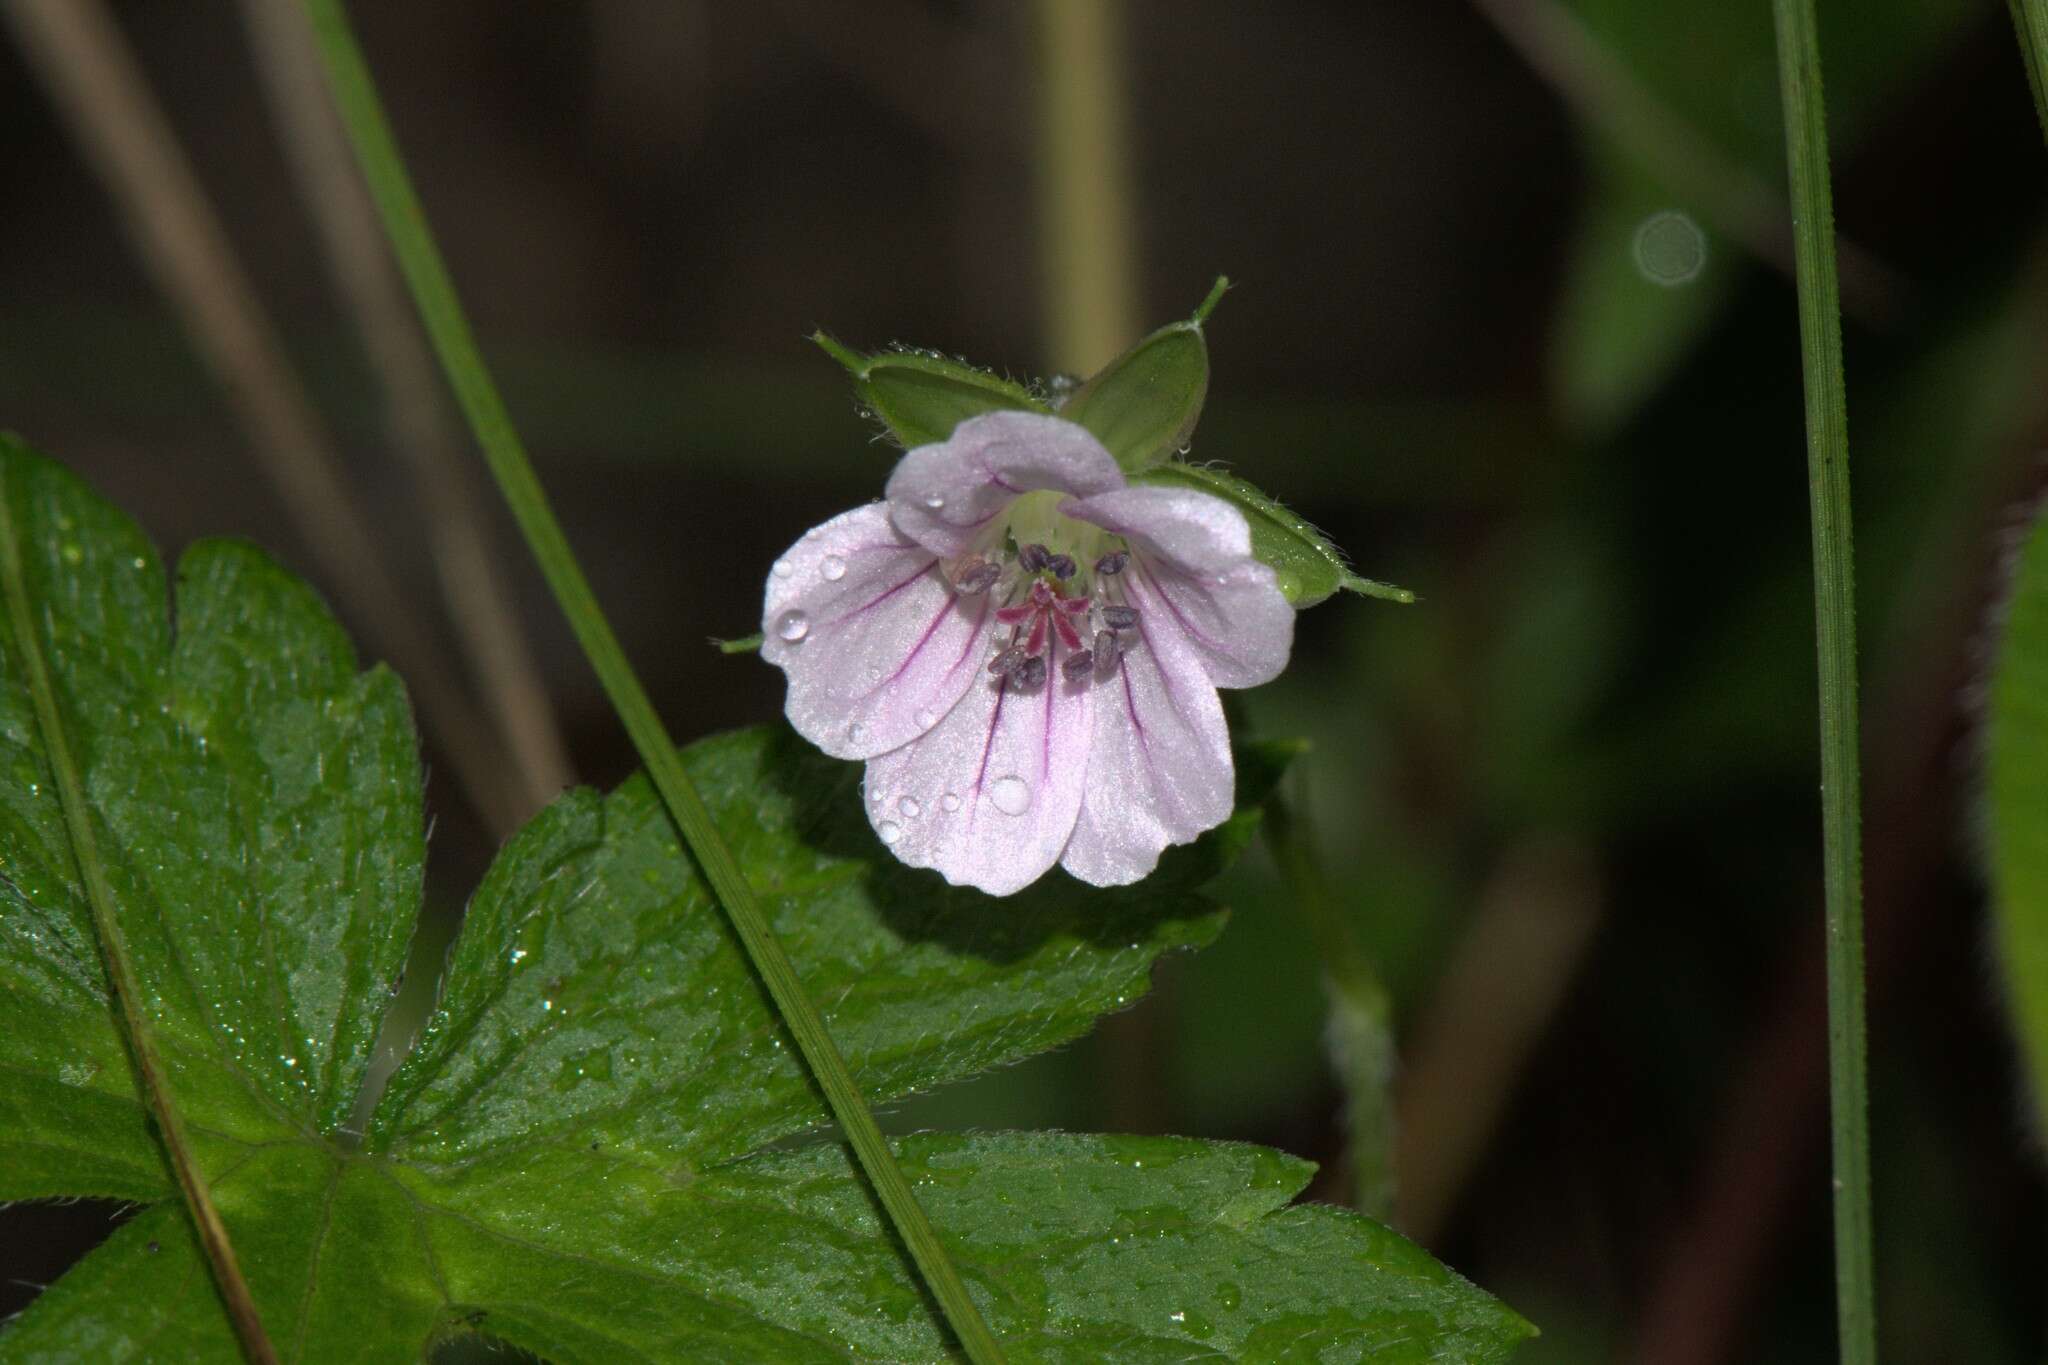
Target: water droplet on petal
{"x": 1010, "y": 795}
{"x": 793, "y": 626}
{"x": 832, "y": 567}
{"x": 950, "y": 801}
{"x": 783, "y": 568}
{"x": 926, "y": 718}
{"x": 856, "y": 733}
{"x": 890, "y": 831}
{"x": 935, "y": 500}
{"x": 910, "y": 808}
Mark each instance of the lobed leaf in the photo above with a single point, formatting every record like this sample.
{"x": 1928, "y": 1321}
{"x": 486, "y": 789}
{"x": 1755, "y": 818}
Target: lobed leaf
{"x": 577, "y": 1155}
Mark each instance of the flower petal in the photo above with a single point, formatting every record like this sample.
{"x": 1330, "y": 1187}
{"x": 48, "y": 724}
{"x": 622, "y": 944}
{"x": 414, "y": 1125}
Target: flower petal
{"x": 989, "y": 798}
{"x": 943, "y": 495}
{"x": 877, "y": 647}
{"x": 1160, "y": 771}
{"x": 1194, "y": 555}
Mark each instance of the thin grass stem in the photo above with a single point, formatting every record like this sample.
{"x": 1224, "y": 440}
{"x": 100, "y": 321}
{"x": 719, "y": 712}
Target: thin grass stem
{"x": 2030, "y": 24}
{"x": 434, "y": 294}
{"x": 121, "y": 974}
{"x": 487, "y": 627}
{"x": 1834, "y": 603}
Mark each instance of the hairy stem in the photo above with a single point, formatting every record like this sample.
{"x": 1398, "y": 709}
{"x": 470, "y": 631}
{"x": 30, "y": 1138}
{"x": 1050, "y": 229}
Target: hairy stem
{"x": 121, "y": 975}
{"x": 434, "y": 294}
{"x": 1834, "y": 603}
{"x": 1361, "y": 1037}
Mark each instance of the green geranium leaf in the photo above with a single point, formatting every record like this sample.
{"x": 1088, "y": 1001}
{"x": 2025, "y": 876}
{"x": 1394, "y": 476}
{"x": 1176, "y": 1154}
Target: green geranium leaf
{"x": 2017, "y": 750}
{"x": 1143, "y": 406}
{"x": 1309, "y": 567}
{"x": 593, "y": 1149}
{"x": 920, "y": 396}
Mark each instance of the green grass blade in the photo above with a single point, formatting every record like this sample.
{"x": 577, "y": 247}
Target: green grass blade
{"x": 141, "y": 1035}
{"x": 1834, "y": 603}
{"x": 434, "y": 294}
{"x": 2030, "y": 24}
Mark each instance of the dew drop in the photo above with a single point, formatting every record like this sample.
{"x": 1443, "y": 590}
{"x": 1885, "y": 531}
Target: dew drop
{"x": 950, "y": 801}
{"x": 1010, "y": 795}
{"x": 890, "y": 831}
{"x": 793, "y": 626}
{"x": 832, "y": 568}
{"x": 783, "y": 568}
{"x": 926, "y": 718}
{"x": 910, "y": 808}
{"x": 856, "y": 733}
{"x": 935, "y": 500}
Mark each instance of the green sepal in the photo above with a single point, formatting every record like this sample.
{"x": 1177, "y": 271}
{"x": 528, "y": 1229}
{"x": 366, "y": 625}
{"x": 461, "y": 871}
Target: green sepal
{"x": 1144, "y": 404}
{"x": 1309, "y": 567}
{"x": 920, "y": 396}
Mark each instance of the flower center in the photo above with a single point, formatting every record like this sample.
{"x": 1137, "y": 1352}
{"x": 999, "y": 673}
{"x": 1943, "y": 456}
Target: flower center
{"x": 1055, "y": 582}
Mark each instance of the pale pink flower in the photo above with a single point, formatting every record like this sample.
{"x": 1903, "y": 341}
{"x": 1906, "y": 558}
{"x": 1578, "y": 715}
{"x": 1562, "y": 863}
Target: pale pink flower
{"x": 1026, "y": 652}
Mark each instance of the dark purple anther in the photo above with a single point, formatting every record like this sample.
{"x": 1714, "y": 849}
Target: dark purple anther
{"x": 977, "y": 576}
{"x": 1006, "y": 662}
{"x": 1105, "y": 654}
{"x": 1034, "y": 557}
{"x": 1079, "y": 665}
{"x": 1119, "y": 618}
{"x": 1029, "y": 672}
{"x": 1112, "y": 563}
{"x": 1062, "y": 567}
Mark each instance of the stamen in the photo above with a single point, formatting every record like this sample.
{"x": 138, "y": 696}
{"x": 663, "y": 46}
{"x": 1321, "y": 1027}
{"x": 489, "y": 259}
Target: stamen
{"x": 1119, "y": 618}
{"x": 1029, "y": 673}
{"x": 1034, "y": 557}
{"x": 1106, "y": 651}
{"x": 1079, "y": 664}
{"x": 1062, "y": 567}
{"x": 976, "y": 576}
{"x": 1006, "y": 661}
{"x": 1112, "y": 563}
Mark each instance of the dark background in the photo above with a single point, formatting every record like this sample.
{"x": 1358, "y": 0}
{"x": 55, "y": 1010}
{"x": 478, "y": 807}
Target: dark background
{"x": 1568, "y": 798}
